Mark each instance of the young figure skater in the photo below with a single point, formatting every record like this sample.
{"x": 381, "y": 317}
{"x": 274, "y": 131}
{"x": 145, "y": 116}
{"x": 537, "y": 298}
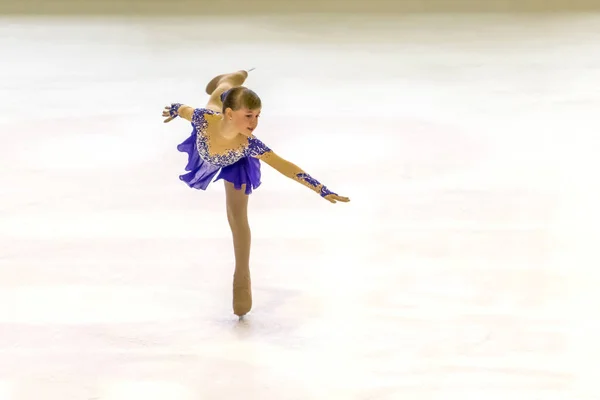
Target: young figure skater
{"x": 222, "y": 141}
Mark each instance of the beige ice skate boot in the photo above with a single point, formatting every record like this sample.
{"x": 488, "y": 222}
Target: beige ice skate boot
{"x": 242, "y": 293}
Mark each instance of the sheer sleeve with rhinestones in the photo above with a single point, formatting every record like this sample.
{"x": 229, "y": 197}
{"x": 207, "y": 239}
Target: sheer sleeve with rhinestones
{"x": 292, "y": 171}
{"x": 256, "y": 148}
{"x": 199, "y": 119}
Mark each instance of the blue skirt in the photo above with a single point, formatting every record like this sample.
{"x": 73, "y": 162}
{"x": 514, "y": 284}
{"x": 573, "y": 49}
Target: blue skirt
{"x": 246, "y": 171}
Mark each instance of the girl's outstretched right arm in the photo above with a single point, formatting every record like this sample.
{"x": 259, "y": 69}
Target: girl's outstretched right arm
{"x": 178, "y": 110}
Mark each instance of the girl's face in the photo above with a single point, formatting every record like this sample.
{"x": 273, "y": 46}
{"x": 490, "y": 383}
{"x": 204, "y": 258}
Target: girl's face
{"x": 244, "y": 120}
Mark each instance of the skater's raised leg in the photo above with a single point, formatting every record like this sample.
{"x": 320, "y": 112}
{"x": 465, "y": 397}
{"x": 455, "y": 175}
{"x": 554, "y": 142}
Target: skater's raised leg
{"x": 223, "y": 83}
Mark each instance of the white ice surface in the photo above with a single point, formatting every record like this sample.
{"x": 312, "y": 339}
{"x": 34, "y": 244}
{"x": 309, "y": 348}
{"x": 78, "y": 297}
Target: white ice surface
{"x": 465, "y": 266}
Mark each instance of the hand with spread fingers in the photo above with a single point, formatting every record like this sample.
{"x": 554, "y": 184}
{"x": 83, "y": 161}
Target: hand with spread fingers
{"x": 171, "y": 112}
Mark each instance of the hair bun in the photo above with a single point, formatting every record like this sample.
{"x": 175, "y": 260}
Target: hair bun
{"x": 224, "y": 95}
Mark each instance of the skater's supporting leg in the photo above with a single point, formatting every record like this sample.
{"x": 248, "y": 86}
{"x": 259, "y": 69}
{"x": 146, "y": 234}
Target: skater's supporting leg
{"x": 237, "y": 215}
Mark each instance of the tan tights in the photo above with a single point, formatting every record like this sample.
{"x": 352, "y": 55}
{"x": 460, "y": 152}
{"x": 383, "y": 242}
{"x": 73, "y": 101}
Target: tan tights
{"x": 237, "y": 215}
{"x": 237, "y": 207}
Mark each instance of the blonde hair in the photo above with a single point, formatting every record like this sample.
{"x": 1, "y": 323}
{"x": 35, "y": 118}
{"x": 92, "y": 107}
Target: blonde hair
{"x": 241, "y": 97}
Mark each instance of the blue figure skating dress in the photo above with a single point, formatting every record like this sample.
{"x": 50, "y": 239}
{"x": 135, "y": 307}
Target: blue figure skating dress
{"x": 238, "y": 166}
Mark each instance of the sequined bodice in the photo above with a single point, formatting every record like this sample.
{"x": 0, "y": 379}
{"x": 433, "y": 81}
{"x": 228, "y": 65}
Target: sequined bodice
{"x": 253, "y": 147}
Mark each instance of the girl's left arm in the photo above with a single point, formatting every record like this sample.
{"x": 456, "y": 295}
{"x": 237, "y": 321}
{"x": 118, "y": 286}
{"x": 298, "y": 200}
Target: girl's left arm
{"x": 258, "y": 150}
